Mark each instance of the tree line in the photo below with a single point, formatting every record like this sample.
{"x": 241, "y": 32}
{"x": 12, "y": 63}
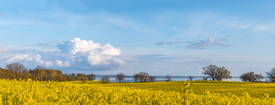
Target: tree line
{"x": 219, "y": 73}
{"x": 213, "y": 72}
{"x": 19, "y": 71}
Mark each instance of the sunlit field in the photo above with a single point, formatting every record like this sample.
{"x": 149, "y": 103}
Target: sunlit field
{"x": 94, "y": 92}
{"x": 199, "y": 87}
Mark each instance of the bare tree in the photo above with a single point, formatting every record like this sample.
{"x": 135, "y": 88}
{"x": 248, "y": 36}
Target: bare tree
{"x": 168, "y": 78}
{"x": 136, "y": 77}
{"x": 271, "y": 75}
{"x": 251, "y": 77}
{"x": 152, "y": 78}
{"x": 143, "y": 77}
{"x": 216, "y": 73}
{"x": 190, "y": 77}
{"x": 16, "y": 67}
{"x": 91, "y": 77}
{"x": 105, "y": 80}
{"x": 222, "y": 73}
{"x": 120, "y": 77}
{"x": 211, "y": 71}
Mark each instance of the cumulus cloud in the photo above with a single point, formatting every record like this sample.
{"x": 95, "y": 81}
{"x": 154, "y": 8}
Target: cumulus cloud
{"x": 202, "y": 44}
{"x": 168, "y": 43}
{"x": 60, "y": 63}
{"x": 28, "y": 58}
{"x": 73, "y": 54}
{"x": 94, "y": 53}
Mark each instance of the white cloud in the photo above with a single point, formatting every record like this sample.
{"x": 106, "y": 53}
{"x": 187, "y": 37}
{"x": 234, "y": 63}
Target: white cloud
{"x": 48, "y": 63}
{"x": 214, "y": 40}
{"x": 5, "y": 49}
{"x": 201, "y": 44}
{"x": 168, "y": 43}
{"x": 26, "y": 57}
{"x": 29, "y": 58}
{"x": 94, "y": 53}
{"x": 164, "y": 43}
{"x": 73, "y": 54}
{"x": 60, "y": 63}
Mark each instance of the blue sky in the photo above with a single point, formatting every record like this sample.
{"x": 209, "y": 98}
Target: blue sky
{"x": 159, "y": 37}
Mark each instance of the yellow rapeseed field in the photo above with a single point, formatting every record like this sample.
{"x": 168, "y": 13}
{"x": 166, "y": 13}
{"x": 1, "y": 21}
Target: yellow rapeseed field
{"x": 39, "y": 92}
{"x": 257, "y": 90}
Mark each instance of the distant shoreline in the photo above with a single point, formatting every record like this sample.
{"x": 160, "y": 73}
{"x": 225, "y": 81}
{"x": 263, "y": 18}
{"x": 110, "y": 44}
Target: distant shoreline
{"x": 129, "y": 78}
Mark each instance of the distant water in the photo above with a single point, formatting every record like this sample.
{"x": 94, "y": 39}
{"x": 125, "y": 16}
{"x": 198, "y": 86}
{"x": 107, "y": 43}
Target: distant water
{"x": 163, "y": 78}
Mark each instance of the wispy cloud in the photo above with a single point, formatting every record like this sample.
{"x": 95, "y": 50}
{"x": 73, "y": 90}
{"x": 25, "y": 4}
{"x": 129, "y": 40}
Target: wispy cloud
{"x": 202, "y": 44}
{"x": 217, "y": 24}
{"x": 2, "y": 15}
{"x": 168, "y": 43}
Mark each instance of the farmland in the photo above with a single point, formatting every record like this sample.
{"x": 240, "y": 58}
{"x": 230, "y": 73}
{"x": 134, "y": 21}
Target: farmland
{"x": 199, "y": 87}
{"x": 93, "y": 92}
